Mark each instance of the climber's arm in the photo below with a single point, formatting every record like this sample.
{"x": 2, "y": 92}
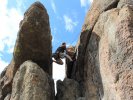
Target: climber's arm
{"x": 67, "y": 56}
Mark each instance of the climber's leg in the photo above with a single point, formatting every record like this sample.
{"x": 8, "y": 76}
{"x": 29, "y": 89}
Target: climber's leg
{"x": 59, "y": 61}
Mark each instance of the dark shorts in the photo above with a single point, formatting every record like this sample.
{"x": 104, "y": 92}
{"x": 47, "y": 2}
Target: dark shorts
{"x": 56, "y": 56}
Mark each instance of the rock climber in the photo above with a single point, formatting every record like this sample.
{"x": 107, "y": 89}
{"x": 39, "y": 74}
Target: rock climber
{"x": 60, "y": 53}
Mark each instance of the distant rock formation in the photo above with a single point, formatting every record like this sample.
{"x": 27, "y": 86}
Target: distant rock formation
{"x": 33, "y": 43}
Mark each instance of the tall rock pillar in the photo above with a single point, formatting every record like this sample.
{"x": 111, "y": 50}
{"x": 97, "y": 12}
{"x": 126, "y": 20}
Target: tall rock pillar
{"x": 33, "y": 43}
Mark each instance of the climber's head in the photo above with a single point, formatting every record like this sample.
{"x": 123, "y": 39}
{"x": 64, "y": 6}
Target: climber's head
{"x": 63, "y": 45}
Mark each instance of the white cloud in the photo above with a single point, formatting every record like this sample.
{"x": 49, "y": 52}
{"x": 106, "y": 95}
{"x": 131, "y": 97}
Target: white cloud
{"x": 9, "y": 19}
{"x": 85, "y": 3}
{"x": 53, "y": 6}
{"x": 91, "y": 1}
{"x": 69, "y": 23}
{"x": 3, "y": 64}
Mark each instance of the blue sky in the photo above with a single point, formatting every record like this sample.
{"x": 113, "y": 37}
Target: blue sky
{"x": 66, "y": 19}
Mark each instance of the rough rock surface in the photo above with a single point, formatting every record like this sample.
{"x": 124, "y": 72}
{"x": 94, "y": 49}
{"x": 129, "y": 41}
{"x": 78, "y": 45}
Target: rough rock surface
{"x": 115, "y": 29}
{"x": 97, "y": 8}
{"x": 105, "y": 58}
{"x": 32, "y": 83}
{"x": 70, "y": 65}
{"x": 68, "y": 90}
{"x": 7, "y": 97}
{"x": 103, "y": 69}
{"x": 124, "y": 2}
{"x": 33, "y": 43}
{"x": 81, "y": 98}
{"x": 34, "y": 38}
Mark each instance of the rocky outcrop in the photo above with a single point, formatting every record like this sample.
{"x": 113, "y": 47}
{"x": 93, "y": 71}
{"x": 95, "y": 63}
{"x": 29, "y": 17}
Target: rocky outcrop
{"x": 97, "y": 8}
{"x": 124, "y": 2}
{"x": 104, "y": 63}
{"x": 33, "y": 43}
{"x": 34, "y": 38}
{"x": 68, "y": 90}
{"x": 7, "y": 97}
{"x": 70, "y": 65}
{"x": 102, "y": 67}
{"x": 114, "y": 28}
{"x": 32, "y": 83}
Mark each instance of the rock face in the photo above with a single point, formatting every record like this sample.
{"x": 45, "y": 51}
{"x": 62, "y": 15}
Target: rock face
{"x": 34, "y": 38}
{"x": 102, "y": 68}
{"x": 70, "y": 66}
{"x": 33, "y": 43}
{"x": 115, "y": 52}
{"x": 68, "y": 90}
{"x": 32, "y": 83}
{"x": 105, "y": 59}
{"x": 98, "y": 6}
